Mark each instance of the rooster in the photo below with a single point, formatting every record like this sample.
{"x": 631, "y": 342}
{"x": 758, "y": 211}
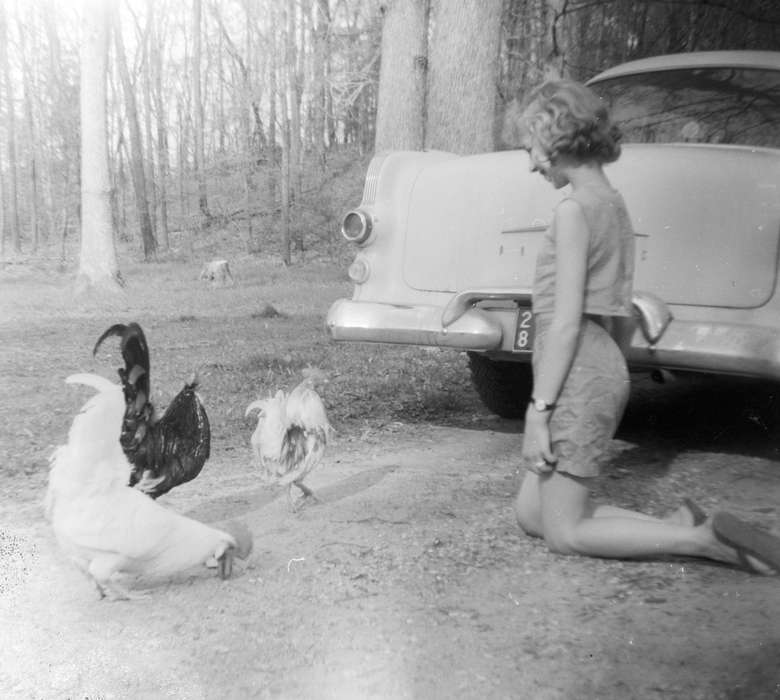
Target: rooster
{"x": 108, "y": 528}
{"x": 166, "y": 451}
{"x": 291, "y": 434}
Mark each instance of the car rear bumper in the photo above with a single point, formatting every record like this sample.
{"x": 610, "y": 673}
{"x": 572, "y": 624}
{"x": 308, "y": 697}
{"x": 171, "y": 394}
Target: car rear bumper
{"x": 718, "y": 348}
{"x": 412, "y": 325}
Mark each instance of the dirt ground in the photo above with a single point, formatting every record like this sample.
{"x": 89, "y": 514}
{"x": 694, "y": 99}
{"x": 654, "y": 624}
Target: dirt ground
{"x": 410, "y": 579}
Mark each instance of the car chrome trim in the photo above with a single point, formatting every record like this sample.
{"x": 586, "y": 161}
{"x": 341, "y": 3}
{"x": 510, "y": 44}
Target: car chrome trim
{"x": 365, "y": 226}
{"x": 372, "y": 177}
{"x": 653, "y": 315}
{"x": 722, "y": 348}
{"x": 719, "y": 348}
{"x": 762, "y": 60}
{"x": 462, "y": 301}
{"x": 417, "y": 325}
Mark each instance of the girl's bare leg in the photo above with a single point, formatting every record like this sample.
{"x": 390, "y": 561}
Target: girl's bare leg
{"x": 528, "y": 509}
{"x": 570, "y": 528}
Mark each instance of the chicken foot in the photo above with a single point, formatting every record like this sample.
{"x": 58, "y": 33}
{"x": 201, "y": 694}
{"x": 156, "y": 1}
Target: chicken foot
{"x": 101, "y": 571}
{"x": 307, "y": 494}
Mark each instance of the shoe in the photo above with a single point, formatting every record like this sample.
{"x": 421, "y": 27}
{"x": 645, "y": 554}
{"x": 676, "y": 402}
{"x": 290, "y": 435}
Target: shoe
{"x": 747, "y": 540}
{"x": 697, "y": 514}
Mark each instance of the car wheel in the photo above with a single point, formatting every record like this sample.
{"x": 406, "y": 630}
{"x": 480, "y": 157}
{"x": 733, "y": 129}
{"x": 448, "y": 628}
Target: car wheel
{"x": 504, "y": 387}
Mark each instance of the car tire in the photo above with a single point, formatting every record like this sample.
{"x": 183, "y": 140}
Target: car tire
{"x": 504, "y": 387}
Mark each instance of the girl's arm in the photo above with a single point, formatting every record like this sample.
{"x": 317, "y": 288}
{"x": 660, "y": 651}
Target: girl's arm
{"x": 571, "y": 250}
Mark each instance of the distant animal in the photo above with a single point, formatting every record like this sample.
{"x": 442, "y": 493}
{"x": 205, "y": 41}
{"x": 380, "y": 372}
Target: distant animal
{"x": 291, "y": 435}
{"x": 108, "y": 528}
{"x": 165, "y": 451}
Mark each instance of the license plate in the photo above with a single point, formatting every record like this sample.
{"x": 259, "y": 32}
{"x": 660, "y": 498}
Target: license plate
{"x": 524, "y": 332}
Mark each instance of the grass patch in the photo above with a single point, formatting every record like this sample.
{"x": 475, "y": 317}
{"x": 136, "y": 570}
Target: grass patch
{"x": 240, "y": 352}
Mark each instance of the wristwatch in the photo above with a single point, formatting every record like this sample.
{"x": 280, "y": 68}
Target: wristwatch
{"x": 541, "y": 405}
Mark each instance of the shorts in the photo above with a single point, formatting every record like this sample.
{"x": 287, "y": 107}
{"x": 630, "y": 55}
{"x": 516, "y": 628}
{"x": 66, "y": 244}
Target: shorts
{"x": 592, "y": 401}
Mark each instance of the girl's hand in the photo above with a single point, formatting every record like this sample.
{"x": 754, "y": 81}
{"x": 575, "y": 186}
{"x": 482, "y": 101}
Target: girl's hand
{"x": 537, "y": 452}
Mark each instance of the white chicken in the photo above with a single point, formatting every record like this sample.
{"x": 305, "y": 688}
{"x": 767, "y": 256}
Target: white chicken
{"x": 108, "y": 528}
{"x": 291, "y": 435}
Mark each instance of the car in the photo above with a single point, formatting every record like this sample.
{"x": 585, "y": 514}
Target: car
{"x": 446, "y": 244}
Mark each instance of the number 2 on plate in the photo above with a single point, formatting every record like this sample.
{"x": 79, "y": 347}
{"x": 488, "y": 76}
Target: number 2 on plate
{"x": 524, "y": 326}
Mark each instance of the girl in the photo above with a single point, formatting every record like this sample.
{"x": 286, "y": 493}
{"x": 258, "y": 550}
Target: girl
{"x": 582, "y": 310}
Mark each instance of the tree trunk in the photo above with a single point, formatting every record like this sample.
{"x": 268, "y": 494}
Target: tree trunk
{"x": 136, "y": 145}
{"x": 400, "y": 122}
{"x": 285, "y": 175}
{"x": 29, "y": 86}
{"x": 555, "y": 61}
{"x": 12, "y": 217}
{"x": 98, "y": 268}
{"x": 273, "y": 88}
{"x": 144, "y": 83}
{"x": 197, "y": 109}
{"x": 321, "y": 52}
{"x": 294, "y": 168}
{"x": 462, "y": 95}
{"x": 163, "y": 156}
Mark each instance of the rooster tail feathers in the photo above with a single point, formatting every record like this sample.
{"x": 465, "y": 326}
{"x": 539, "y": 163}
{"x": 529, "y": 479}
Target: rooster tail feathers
{"x": 135, "y": 353}
{"x": 92, "y": 457}
{"x": 118, "y": 329}
{"x": 95, "y": 381}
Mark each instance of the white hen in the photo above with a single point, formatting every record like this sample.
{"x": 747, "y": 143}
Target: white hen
{"x": 108, "y": 528}
{"x": 291, "y": 435}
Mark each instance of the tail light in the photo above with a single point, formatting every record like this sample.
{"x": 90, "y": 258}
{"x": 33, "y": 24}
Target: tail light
{"x": 359, "y": 270}
{"x": 356, "y": 226}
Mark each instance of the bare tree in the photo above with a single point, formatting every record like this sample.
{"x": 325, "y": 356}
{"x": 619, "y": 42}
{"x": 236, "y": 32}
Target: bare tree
{"x": 197, "y": 109}
{"x": 136, "y": 144}
{"x": 98, "y": 267}
{"x": 400, "y": 121}
{"x": 320, "y": 56}
{"x": 12, "y": 216}
{"x": 159, "y": 102}
{"x": 285, "y": 174}
{"x": 273, "y": 90}
{"x": 32, "y": 141}
{"x": 463, "y": 64}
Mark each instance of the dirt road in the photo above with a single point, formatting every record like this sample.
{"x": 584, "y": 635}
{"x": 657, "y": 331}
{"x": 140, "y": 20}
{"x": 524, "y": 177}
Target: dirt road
{"x": 411, "y": 580}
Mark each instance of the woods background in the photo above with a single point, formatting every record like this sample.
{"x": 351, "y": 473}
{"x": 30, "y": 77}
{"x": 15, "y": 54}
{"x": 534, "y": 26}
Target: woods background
{"x": 253, "y": 120}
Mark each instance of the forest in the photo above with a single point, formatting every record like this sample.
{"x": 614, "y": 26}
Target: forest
{"x": 150, "y": 125}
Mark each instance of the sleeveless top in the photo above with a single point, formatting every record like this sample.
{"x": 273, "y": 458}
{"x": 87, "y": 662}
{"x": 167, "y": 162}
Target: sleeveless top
{"x": 610, "y": 266}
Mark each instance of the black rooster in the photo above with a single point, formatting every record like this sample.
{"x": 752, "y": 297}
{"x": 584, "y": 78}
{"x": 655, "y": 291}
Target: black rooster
{"x": 164, "y": 452}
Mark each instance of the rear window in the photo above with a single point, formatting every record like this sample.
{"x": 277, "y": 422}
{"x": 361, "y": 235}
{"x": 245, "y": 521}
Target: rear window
{"x": 738, "y": 106}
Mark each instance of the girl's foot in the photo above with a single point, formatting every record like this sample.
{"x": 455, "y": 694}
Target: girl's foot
{"x": 688, "y": 515}
{"x": 753, "y": 549}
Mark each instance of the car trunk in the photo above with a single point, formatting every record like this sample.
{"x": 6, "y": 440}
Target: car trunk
{"x": 476, "y": 222}
{"x": 708, "y": 220}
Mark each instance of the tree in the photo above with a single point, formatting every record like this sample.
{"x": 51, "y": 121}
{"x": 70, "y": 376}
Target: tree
{"x": 320, "y": 55}
{"x": 29, "y": 89}
{"x": 463, "y": 64}
{"x": 400, "y": 119}
{"x": 136, "y": 144}
{"x": 197, "y": 108}
{"x": 12, "y": 217}
{"x": 161, "y": 127}
{"x": 98, "y": 267}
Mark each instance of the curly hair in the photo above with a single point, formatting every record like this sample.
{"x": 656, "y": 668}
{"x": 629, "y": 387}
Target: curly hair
{"x": 569, "y": 119}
